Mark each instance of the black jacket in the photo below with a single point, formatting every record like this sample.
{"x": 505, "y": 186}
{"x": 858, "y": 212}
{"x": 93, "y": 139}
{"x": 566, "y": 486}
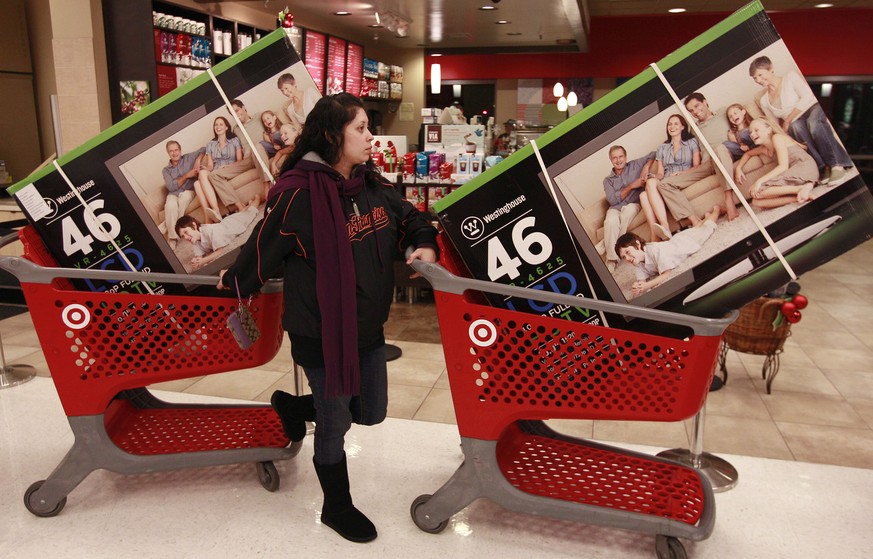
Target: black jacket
{"x": 380, "y": 231}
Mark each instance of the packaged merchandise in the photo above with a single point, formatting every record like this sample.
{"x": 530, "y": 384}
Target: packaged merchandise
{"x": 535, "y": 219}
{"x": 104, "y": 205}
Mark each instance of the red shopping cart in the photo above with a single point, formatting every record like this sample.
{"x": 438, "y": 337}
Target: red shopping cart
{"x": 104, "y": 349}
{"x": 509, "y": 371}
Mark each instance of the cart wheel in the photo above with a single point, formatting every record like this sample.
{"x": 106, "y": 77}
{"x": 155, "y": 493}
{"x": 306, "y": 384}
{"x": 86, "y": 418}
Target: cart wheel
{"x": 420, "y": 500}
{"x": 34, "y": 487}
{"x": 668, "y": 547}
{"x": 268, "y": 475}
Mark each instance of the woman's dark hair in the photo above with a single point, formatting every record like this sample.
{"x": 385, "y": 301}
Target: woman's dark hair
{"x": 323, "y": 130}
{"x": 229, "y": 134}
{"x": 760, "y": 63}
{"x": 686, "y": 133}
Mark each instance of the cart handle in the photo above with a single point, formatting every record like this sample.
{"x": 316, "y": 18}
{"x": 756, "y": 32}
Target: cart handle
{"x": 443, "y": 280}
{"x": 29, "y": 272}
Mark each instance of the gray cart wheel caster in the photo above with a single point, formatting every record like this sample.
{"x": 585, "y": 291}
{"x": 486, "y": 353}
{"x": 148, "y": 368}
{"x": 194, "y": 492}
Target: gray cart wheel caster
{"x": 668, "y": 547}
{"x": 413, "y": 510}
{"x": 268, "y": 475}
{"x": 34, "y": 487}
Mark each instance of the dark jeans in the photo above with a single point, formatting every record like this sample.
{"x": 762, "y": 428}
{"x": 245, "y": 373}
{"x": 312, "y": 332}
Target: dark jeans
{"x": 334, "y": 416}
{"x": 813, "y": 129}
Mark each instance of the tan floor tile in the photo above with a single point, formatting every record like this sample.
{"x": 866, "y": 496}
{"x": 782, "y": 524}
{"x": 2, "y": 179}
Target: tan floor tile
{"x": 734, "y": 401}
{"x": 864, "y": 407}
{"x": 443, "y": 381}
{"x": 792, "y": 357}
{"x": 667, "y": 435}
{"x": 285, "y": 383}
{"x": 745, "y": 436}
{"x": 852, "y": 315}
{"x": 865, "y": 335}
{"x": 829, "y": 445}
{"x": 404, "y": 400}
{"x": 420, "y": 350}
{"x": 812, "y": 409}
{"x": 798, "y": 379}
{"x": 179, "y": 385}
{"x": 846, "y": 359}
{"x": 24, "y": 337}
{"x": 243, "y": 385}
{"x": 437, "y": 408}
{"x": 579, "y": 428}
{"x": 35, "y": 359}
{"x": 416, "y": 372}
{"x": 816, "y": 337}
{"x": 852, "y": 384}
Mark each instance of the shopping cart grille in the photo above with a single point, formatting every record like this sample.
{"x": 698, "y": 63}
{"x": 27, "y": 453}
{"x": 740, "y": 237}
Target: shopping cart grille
{"x": 175, "y": 430}
{"x": 136, "y": 337}
{"x": 542, "y": 366}
{"x": 594, "y": 476}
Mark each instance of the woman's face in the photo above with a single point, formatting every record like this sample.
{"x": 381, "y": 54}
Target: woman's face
{"x": 736, "y": 115}
{"x": 674, "y": 127}
{"x": 288, "y": 89}
{"x": 763, "y": 76}
{"x": 269, "y": 120}
{"x": 760, "y": 132}
{"x": 356, "y": 140}
{"x": 219, "y": 127}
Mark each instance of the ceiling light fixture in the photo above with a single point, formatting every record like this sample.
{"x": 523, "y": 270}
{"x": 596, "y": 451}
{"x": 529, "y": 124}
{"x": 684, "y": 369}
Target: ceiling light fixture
{"x": 558, "y": 90}
{"x": 562, "y": 104}
{"x": 676, "y": 10}
{"x": 824, "y": 5}
{"x": 488, "y": 8}
{"x": 502, "y": 22}
{"x": 435, "y": 78}
{"x": 342, "y": 13}
{"x": 572, "y": 100}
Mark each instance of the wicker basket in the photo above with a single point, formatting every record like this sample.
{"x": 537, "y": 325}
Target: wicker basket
{"x": 753, "y": 331}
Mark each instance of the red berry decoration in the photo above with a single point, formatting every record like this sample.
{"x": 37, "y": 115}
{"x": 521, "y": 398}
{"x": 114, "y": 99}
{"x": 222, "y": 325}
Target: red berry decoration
{"x": 788, "y": 308}
{"x": 794, "y": 317}
{"x": 800, "y": 301}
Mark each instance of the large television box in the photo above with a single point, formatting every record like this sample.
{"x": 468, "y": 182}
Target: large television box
{"x": 118, "y": 174}
{"x": 538, "y": 224}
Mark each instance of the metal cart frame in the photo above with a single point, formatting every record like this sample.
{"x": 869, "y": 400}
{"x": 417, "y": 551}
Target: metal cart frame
{"x": 104, "y": 349}
{"x": 508, "y": 371}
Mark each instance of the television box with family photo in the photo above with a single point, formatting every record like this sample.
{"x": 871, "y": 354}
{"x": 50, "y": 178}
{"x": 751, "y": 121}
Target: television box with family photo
{"x": 627, "y": 202}
{"x": 179, "y": 186}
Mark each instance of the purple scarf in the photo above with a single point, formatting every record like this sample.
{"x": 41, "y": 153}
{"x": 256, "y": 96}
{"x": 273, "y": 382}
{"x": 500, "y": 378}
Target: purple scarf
{"x": 334, "y": 270}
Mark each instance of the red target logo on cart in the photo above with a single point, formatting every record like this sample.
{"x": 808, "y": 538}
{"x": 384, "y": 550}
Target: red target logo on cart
{"x": 76, "y": 316}
{"x": 482, "y": 333}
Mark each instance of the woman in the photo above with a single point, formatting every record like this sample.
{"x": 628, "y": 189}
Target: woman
{"x": 789, "y": 101}
{"x": 794, "y": 176}
{"x": 299, "y": 102}
{"x": 676, "y": 155}
{"x": 223, "y": 149}
{"x": 335, "y": 228}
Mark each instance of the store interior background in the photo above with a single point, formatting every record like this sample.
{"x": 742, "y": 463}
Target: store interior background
{"x": 60, "y": 47}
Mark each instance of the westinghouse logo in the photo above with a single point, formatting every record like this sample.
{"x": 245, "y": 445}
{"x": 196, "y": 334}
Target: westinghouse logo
{"x": 473, "y": 227}
{"x": 70, "y": 195}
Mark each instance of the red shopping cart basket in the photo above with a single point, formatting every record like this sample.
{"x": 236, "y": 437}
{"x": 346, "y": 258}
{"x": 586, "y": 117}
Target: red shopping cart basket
{"x": 508, "y": 371}
{"x": 104, "y": 349}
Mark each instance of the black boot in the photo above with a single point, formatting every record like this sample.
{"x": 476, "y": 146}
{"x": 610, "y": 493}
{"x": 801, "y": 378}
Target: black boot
{"x": 338, "y": 511}
{"x": 294, "y": 411}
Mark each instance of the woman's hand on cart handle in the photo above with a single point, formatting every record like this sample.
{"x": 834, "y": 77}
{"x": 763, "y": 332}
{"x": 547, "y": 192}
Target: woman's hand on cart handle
{"x": 220, "y": 284}
{"x": 425, "y": 254}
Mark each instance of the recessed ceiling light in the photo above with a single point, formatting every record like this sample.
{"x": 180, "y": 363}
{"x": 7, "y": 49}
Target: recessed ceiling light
{"x": 376, "y": 25}
{"x": 502, "y": 22}
{"x": 825, "y": 5}
{"x": 676, "y": 10}
{"x": 488, "y": 8}
{"x": 437, "y": 54}
{"x": 342, "y": 13}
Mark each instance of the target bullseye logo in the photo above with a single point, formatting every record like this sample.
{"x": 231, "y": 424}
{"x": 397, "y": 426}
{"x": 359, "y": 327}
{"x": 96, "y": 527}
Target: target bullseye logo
{"x": 482, "y": 333}
{"x": 76, "y": 316}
